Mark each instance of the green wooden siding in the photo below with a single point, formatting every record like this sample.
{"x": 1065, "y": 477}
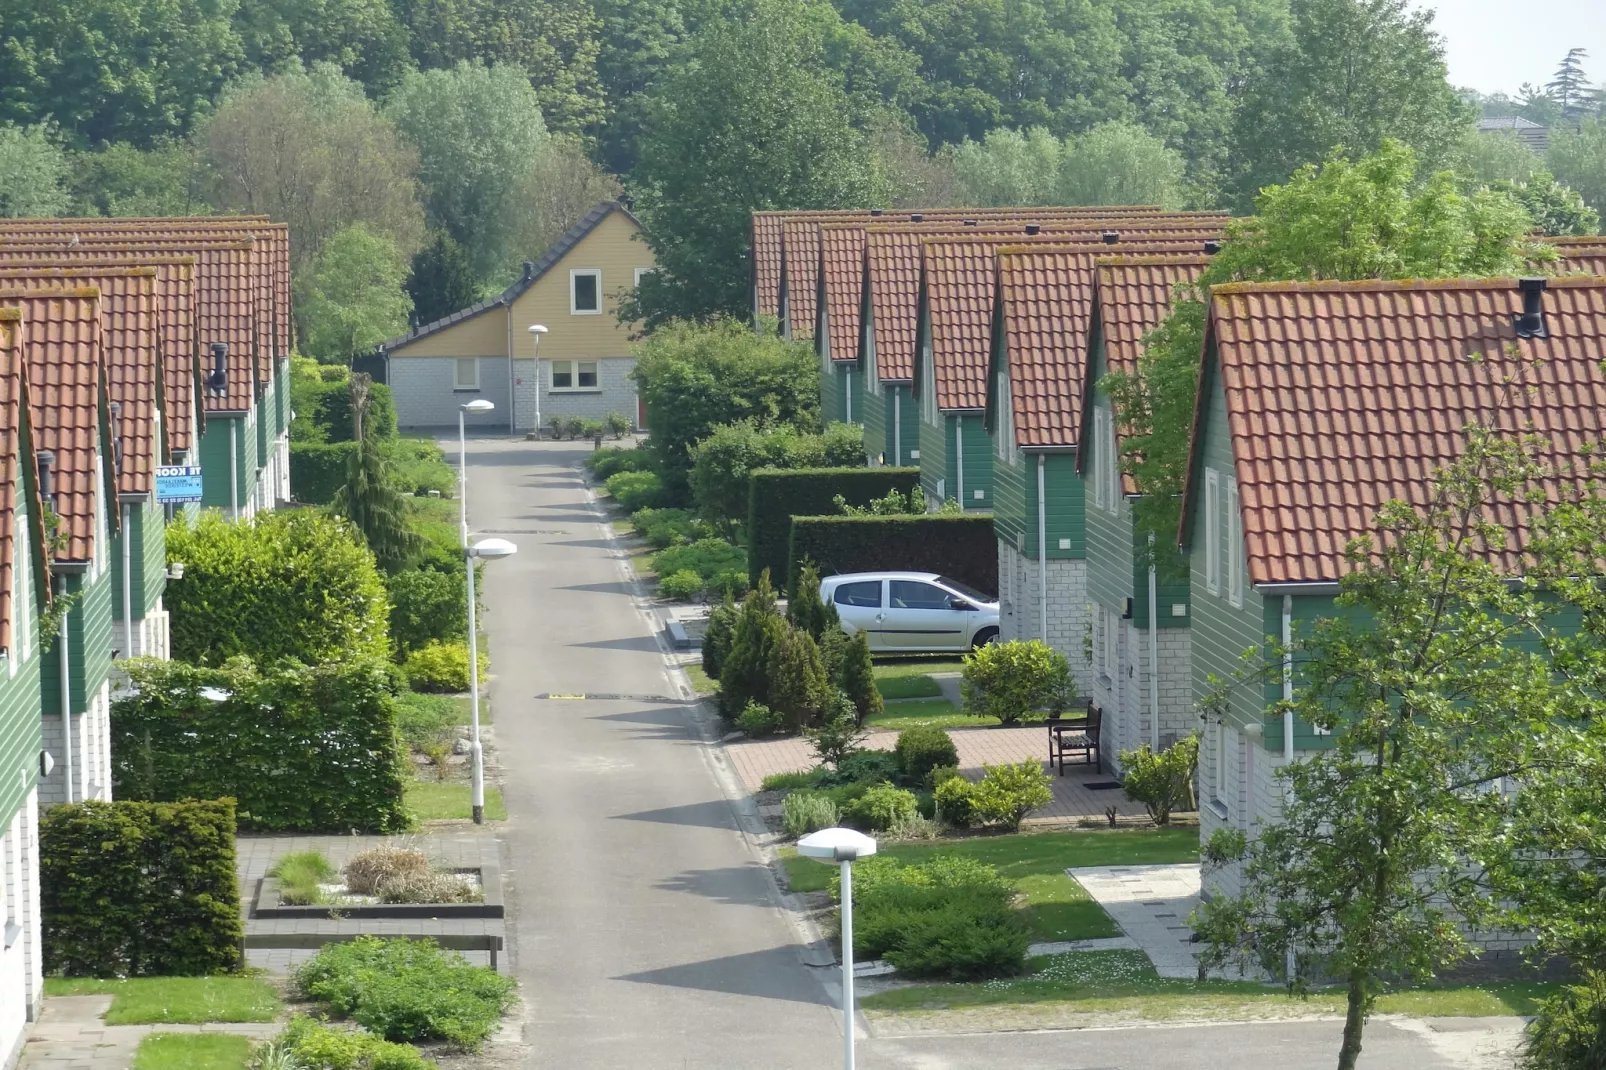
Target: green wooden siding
{"x": 20, "y": 737}
{"x": 936, "y": 458}
{"x": 266, "y": 411}
{"x": 215, "y": 460}
{"x": 1015, "y": 505}
{"x": 89, "y": 639}
{"x": 978, "y": 459}
{"x": 901, "y": 447}
{"x": 150, "y": 556}
{"x": 871, "y": 411}
{"x": 833, "y": 406}
{"x": 1010, "y": 502}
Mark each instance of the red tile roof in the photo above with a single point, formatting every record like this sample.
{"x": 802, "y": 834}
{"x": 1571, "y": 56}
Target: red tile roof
{"x": 842, "y": 282}
{"x": 12, "y": 378}
{"x": 132, "y": 353}
{"x": 1344, "y": 396}
{"x": 960, "y": 280}
{"x": 62, "y": 340}
{"x": 1586, "y": 260}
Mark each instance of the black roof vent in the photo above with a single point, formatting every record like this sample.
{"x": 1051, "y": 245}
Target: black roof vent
{"x": 46, "y": 460}
{"x": 1531, "y": 324}
{"x": 876, "y": 212}
{"x": 1111, "y": 237}
{"x": 1034, "y": 228}
{"x": 217, "y": 380}
{"x": 529, "y": 270}
{"x": 1212, "y": 248}
{"x": 970, "y": 222}
{"x": 916, "y": 217}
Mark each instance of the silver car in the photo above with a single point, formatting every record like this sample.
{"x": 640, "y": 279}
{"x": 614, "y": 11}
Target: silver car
{"x": 912, "y": 612}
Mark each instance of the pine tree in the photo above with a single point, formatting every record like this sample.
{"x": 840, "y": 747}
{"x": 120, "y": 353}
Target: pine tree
{"x": 804, "y": 609}
{"x": 369, "y": 498}
{"x": 718, "y": 635}
{"x": 857, "y": 678}
{"x": 442, "y": 280}
{"x": 745, "y": 672}
{"x": 798, "y": 684}
{"x": 833, "y": 644}
{"x": 1570, "y": 87}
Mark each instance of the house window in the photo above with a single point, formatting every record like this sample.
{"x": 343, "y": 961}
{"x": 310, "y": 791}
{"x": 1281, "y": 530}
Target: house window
{"x": 21, "y": 589}
{"x": 1235, "y": 550}
{"x": 1218, "y": 786}
{"x": 585, "y": 292}
{"x": 466, "y": 373}
{"x": 1112, "y": 467}
{"x": 928, "y": 388}
{"x": 1098, "y": 460}
{"x": 574, "y": 375}
{"x": 636, "y": 279}
{"x": 1006, "y": 420}
{"x": 1212, "y": 508}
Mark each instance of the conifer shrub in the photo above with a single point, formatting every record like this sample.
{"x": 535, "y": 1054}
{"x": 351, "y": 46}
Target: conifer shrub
{"x": 857, "y": 678}
{"x": 798, "y": 688}
{"x": 718, "y": 636}
{"x": 922, "y": 749}
{"x": 744, "y": 675}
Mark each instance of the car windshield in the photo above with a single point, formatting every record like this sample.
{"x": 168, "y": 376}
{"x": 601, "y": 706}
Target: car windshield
{"x": 965, "y": 589}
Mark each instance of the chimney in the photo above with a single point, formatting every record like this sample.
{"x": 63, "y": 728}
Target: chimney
{"x": 875, "y": 213}
{"x": 1111, "y": 237}
{"x": 117, "y": 437}
{"x": 916, "y": 217}
{"x": 1211, "y": 248}
{"x": 217, "y": 381}
{"x": 529, "y": 270}
{"x": 46, "y": 461}
{"x": 1531, "y": 324}
{"x": 1034, "y": 228}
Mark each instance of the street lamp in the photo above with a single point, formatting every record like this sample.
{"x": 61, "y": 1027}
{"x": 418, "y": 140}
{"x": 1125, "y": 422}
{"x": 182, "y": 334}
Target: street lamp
{"x": 844, "y": 846}
{"x": 536, "y": 331}
{"x": 477, "y": 406}
{"x": 485, "y": 550}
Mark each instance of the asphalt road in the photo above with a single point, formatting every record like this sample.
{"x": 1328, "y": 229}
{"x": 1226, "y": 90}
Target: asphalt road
{"x": 646, "y": 930}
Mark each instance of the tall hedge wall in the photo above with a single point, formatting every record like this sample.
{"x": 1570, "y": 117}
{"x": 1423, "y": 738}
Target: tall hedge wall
{"x": 317, "y": 469}
{"x": 775, "y": 496}
{"x": 130, "y": 888}
{"x": 303, "y": 749}
{"x": 960, "y": 547}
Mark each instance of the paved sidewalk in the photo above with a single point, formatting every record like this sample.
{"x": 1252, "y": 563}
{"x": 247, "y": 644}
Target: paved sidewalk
{"x": 1151, "y": 904}
{"x": 1073, "y": 798}
{"x": 70, "y": 1035}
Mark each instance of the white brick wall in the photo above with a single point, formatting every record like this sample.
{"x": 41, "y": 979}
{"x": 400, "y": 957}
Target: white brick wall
{"x": 1125, "y": 700}
{"x": 21, "y": 977}
{"x": 615, "y": 393}
{"x": 1021, "y": 597}
{"x": 422, "y": 388}
{"x": 91, "y": 752}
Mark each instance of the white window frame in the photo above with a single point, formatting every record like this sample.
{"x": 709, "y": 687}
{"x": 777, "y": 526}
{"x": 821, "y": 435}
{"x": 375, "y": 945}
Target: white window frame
{"x": 457, "y": 370}
{"x": 1235, "y": 549}
{"x": 1006, "y": 422}
{"x": 573, "y": 366}
{"x": 1099, "y": 501}
{"x": 1112, "y": 465}
{"x": 872, "y": 373}
{"x": 22, "y": 612}
{"x": 102, "y": 532}
{"x": 1211, "y": 517}
{"x": 1112, "y": 622}
{"x": 635, "y": 277}
{"x": 575, "y": 273}
{"x": 928, "y": 388}
{"x": 1218, "y": 787}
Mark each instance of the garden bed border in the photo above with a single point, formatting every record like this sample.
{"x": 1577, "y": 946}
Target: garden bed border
{"x": 267, "y": 905}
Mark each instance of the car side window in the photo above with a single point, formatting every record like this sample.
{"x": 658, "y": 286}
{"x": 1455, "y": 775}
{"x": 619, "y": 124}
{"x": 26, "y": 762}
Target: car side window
{"x": 864, "y": 595}
{"x": 912, "y": 594}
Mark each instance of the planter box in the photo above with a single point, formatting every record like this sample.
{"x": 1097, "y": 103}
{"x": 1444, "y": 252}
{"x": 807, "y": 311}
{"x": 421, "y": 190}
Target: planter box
{"x": 268, "y": 905}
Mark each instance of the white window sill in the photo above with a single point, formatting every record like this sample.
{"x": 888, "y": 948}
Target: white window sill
{"x": 1217, "y": 807}
{"x": 465, "y": 390}
{"x": 585, "y": 311}
{"x": 574, "y": 390}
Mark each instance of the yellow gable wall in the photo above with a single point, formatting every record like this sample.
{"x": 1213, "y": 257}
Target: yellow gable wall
{"x": 610, "y": 248}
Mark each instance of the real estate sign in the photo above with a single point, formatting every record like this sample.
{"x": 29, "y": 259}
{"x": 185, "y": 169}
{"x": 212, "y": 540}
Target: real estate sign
{"x": 178, "y": 483}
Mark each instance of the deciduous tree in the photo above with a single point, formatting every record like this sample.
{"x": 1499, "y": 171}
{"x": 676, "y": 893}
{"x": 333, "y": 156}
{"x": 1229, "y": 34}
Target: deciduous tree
{"x": 353, "y": 297}
{"x": 33, "y": 173}
{"x": 1578, "y": 160}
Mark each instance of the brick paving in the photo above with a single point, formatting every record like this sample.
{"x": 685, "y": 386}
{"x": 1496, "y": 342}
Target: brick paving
{"x": 753, "y": 760}
{"x": 70, "y": 1035}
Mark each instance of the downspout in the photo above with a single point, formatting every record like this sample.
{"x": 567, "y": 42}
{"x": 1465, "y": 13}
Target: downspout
{"x": 850, "y": 398}
{"x": 1288, "y": 677}
{"x": 234, "y": 469}
{"x": 1154, "y": 653}
{"x": 959, "y": 459}
{"x": 512, "y": 416}
{"x": 64, "y": 646}
{"x": 128, "y": 583}
{"x": 1042, "y": 545}
{"x": 897, "y": 428}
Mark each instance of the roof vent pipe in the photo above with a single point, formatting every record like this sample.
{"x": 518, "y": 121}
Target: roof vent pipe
{"x": 117, "y": 436}
{"x": 1111, "y": 237}
{"x": 1531, "y": 324}
{"x": 1211, "y": 248}
{"x": 877, "y": 212}
{"x": 1034, "y": 228}
{"x": 217, "y": 381}
{"x": 916, "y": 217}
{"x": 46, "y": 460}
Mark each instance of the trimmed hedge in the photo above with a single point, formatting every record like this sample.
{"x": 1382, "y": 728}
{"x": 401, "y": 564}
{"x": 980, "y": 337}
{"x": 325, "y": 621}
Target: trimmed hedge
{"x": 775, "y": 496}
{"x": 318, "y": 469}
{"x": 959, "y": 547}
{"x": 139, "y": 888}
{"x": 303, "y": 749}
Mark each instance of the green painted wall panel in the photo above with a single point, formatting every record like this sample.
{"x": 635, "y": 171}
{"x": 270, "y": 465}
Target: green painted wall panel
{"x": 831, "y": 402}
{"x": 150, "y": 556}
{"x": 89, "y": 639}
{"x": 902, "y": 446}
{"x": 977, "y": 448}
{"x": 214, "y": 455}
{"x": 20, "y": 702}
{"x": 1011, "y": 503}
{"x": 936, "y": 458}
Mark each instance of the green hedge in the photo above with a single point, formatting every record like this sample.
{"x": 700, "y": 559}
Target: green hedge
{"x": 960, "y": 547}
{"x": 131, "y": 888}
{"x": 302, "y": 749}
{"x": 318, "y": 469}
{"x": 775, "y": 496}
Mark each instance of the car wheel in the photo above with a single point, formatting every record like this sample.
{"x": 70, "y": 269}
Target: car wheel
{"x": 985, "y": 637}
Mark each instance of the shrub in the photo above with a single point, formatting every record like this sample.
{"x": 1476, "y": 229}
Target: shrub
{"x": 682, "y": 586}
{"x": 441, "y": 668}
{"x": 433, "y": 886}
{"x": 1007, "y": 680}
{"x": 1007, "y": 793}
{"x": 302, "y": 748}
{"x": 611, "y": 460}
{"x": 418, "y": 466}
{"x": 634, "y": 490}
{"x": 857, "y": 678}
{"x": 408, "y": 990}
{"x": 804, "y": 608}
{"x": 838, "y": 734}
{"x": 776, "y": 496}
{"x": 1161, "y": 782}
{"x": 744, "y": 676}
{"x": 787, "y": 781}
{"x": 300, "y": 874}
{"x": 708, "y": 558}
{"x": 139, "y": 888}
{"x": 618, "y": 424}
{"x": 803, "y": 812}
{"x": 956, "y": 801}
{"x": 312, "y": 1045}
{"x": 593, "y": 429}
{"x": 797, "y": 683}
{"x": 1569, "y": 1032}
{"x": 367, "y": 870}
{"x": 718, "y": 635}
{"x": 883, "y": 808}
{"x": 289, "y": 584}
{"x": 426, "y": 604}
{"x": 425, "y": 720}
{"x": 669, "y": 527}
{"x": 922, "y": 749}
{"x": 961, "y": 940}
{"x": 758, "y": 720}
{"x": 318, "y": 469}
{"x": 723, "y": 463}
{"x": 861, "y": 767}
{"x": 956, "y": 545}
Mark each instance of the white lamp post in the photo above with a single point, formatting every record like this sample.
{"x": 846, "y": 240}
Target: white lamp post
{"x": 843, "y": 846}
{"x": 485, "y": 550}
{"x": 536, "y": 331}
{"x": 478, "y": 405}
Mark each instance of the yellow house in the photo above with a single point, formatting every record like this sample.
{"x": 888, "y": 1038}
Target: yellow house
{"x": 579, "y": 366}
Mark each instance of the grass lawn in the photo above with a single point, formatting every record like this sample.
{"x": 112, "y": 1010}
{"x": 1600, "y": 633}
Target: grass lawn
{"x": 909, "y": 713}
{"x": 910, "y": 677}
{"x": 701, "y": 682}
{"x": 435, "y": 801}
{"x": 1056, "y": 906}
{"x": 176, "y": 1000}
{"x": 192, "y": 1051}
{"x": 1123, "y": 983}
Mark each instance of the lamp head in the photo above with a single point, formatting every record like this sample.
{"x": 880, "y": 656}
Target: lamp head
{"x": 537, "y": 328}
{"x": 836, "y": 845}
{"x": 489, "y": 549}
{"x": 477, "y": 405}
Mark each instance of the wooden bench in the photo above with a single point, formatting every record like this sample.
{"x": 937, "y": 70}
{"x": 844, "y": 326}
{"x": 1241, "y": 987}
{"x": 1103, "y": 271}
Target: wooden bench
{"x": 488, "y": 942}
{"x": 1077, "y": 734}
